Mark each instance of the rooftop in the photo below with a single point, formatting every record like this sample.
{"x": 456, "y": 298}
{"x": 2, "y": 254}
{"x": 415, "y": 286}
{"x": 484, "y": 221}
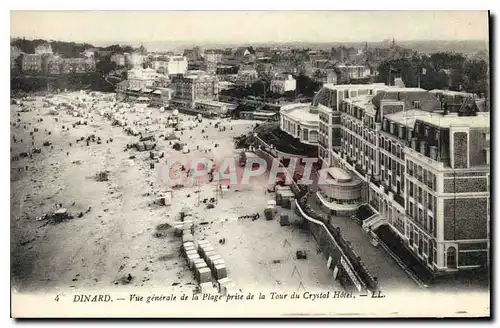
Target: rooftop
{"x": 300, "y": 113}
{"x": 451, "y": 93}
{"x": 427, "y": 101}
{"x": 365, "y": 102}
{"x": 409, "y": 117}
{"x": 339, "y": 174}
{"x": 340, "y": 177}
{"x": 353, "y": 86}
{"x": 480, "y": 121}
{"x": 214, "y": 103}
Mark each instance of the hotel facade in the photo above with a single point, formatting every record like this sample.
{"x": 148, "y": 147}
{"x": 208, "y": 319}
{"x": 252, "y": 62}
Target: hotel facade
{"x": 425, "y": 170}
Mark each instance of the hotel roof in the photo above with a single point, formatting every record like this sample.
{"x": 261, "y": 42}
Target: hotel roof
{"x": 338, "y": 177}
{"x": 409, "y": 117}
{"x": 428, "y": 102}
{"x": 300, "y": 113}
{"x": 364, "y": 101}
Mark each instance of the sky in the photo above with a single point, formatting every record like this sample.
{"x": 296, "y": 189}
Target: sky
{"x": 108, "y": 27}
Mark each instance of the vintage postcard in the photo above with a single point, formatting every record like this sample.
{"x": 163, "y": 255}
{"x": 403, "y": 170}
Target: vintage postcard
{"x": 250, "y": 164}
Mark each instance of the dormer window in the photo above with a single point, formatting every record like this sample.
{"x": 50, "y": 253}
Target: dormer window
{"x": 416, "y": 104}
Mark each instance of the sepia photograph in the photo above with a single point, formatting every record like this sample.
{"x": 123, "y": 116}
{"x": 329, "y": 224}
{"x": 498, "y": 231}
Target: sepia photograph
{"x": 183, "y": 164}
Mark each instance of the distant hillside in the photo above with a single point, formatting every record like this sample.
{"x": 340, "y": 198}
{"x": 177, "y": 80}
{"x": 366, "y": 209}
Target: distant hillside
{"x": 467, "y": 47}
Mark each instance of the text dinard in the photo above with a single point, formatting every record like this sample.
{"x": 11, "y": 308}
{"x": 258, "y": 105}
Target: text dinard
{"x": 83, "y": 298}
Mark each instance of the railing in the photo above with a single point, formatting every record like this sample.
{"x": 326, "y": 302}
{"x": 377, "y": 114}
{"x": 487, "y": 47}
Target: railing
{"x": 374, "y": 181}
{"x": 362, "y": 275}
{"x": 400, "y": 200}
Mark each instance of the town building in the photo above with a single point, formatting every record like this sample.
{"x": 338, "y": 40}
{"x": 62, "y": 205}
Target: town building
{"x": 209, "y": 67}
{"x": 77, "y": 65}
{"x": 170, "y": 65}
{"x": 259, "y": 115}
{"x": 194, "y": 86}
{"x": 118, "y": 59}
{"x": 213, "y": 56}
{"x": 51, "y": 64}
{"x": 342, "y": 195}
{"x": 160, "y": 97}
{"x": 226, "y": 70}
{"x": 241, "y": 52}
{"x": 194, "y": 54}
{"x": 214, "y": 107}
{"x": 31, "y": 62}
{"x": 89, "y": 53}
{"x": 283, "y": 83}
{"x": 246, "y": 77}
{"x": 134, "y": 60}
{"x": 15, "y": 53}
{"x": 324, "y": 76}
{"x": 352, "y": 72}
{"x": 225, "y": 85}
{"x": 45, "y": 48}
{"x": 301, "y": 121}
{"x": 139, "y": 78}
{"x": 425, "y": 169}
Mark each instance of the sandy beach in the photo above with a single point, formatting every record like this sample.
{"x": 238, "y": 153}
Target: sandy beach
{"x": 118, "y": 234}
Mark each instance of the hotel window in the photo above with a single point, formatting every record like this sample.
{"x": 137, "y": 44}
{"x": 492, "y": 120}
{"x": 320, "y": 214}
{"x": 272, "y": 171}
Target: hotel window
{"x": 486, "y": 136}
{"x": 420, "y": 217}
{"x": 411, "y": 235}
{"x": 431, "y": 224}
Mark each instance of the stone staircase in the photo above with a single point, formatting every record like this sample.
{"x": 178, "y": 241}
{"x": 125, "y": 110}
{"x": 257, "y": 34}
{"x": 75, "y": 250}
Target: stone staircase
{"x": 374, "y": 222}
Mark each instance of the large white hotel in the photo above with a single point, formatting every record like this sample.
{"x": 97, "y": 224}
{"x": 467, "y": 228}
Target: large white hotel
{"x": 424, "y": 166}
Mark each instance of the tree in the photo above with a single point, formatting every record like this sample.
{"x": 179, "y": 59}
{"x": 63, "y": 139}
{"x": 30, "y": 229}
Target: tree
{"x": 306, "y": 86}
{"x": 476, "y": 76}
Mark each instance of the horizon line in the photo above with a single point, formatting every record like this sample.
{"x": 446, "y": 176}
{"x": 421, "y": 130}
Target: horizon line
{"x": 245, "y": 42}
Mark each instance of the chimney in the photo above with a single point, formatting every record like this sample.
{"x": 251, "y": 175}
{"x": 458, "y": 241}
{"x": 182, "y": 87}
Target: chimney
{"x": 445, "y": 108}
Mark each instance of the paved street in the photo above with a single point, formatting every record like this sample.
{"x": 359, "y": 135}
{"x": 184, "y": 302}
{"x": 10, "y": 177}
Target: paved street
{"x": 390, "y": 275}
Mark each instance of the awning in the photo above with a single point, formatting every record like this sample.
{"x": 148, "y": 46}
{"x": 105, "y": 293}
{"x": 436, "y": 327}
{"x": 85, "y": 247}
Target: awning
{"x": 146, "y": 90}
{"x": 134, "y": 89}
{"x": 157, "y": 92}
{"x": 143, "y": 99}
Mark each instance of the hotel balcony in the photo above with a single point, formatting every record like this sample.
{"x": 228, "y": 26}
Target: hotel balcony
{"x": 399, "y": 199}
